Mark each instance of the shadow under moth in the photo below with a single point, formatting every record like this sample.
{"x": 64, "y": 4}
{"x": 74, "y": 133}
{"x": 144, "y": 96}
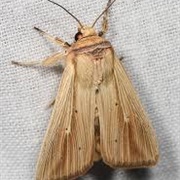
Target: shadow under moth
{"x": 97, "y": 114}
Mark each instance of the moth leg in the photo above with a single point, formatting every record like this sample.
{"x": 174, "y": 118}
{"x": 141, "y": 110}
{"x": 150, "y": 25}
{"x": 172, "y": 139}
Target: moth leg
{"x": 121, "y": 58}
{"x": 49, "y": 61}
{"x": 51, "y": 103}
{"x": 105, "y": 21}
{"x": 53, "y": 39}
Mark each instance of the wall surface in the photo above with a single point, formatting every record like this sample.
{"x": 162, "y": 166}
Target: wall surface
{"x": 145, "y": 32}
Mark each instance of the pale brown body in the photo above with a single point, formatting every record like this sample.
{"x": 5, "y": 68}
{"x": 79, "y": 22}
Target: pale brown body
{"x": 97, "y": 114}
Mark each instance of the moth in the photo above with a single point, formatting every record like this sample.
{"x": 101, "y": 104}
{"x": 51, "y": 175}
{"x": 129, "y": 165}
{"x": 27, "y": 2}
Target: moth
{"x": 97, "y": 114}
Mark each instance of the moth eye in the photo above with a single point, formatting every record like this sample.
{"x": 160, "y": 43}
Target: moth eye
{"x": 100, "y": 33}
{"x": 78, "y": 36}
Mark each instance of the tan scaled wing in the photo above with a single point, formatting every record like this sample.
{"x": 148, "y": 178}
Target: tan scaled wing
{"x": 127, "y": 138}
{"x": 68, "y": 146}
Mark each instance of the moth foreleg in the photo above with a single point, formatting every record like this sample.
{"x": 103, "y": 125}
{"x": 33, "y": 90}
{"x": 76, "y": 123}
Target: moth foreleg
{"x": 53, "y": 39}
{"x": 121, "y": 58}
{"x": 51, "y": 103}
{"x": 105, "y": 21}
{"x": 49, "y": 61}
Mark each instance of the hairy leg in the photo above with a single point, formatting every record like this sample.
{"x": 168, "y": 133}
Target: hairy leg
{"x": 49, "y": 61}
{"x": 105, "y": 21}
{"x": 53, "y": 39}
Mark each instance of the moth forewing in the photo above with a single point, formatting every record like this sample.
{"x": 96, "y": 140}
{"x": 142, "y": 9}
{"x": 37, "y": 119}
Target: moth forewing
{"x": 68, "y": 145}
{"x": 127, "y": 137}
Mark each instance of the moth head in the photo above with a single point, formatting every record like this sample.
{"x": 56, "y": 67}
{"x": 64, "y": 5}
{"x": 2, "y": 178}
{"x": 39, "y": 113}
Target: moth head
{"x": 84, "y": 31}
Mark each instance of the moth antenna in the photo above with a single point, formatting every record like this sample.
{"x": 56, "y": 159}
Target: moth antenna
{"x": 103, "y": 13}
{"x": 67, "y": 12}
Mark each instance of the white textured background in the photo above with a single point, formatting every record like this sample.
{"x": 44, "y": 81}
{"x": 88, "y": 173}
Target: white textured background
{"x": 145, "y": 32}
